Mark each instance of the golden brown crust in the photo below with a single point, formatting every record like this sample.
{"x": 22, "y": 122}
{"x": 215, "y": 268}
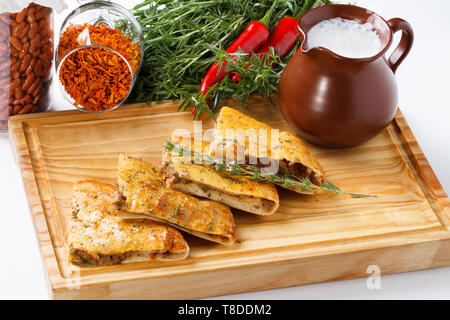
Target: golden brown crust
{"x": 99, "y": 236}
{"x": 290, "y": 149}
{"x": 142, "y": 190}
{"x": 233, "y": 125}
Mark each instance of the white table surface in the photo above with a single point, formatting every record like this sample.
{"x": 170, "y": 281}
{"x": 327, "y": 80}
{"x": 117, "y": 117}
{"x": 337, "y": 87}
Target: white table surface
{"x": 424, "y": 82}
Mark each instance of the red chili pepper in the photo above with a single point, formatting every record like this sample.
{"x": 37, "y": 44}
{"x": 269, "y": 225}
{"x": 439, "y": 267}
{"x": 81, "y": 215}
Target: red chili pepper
{"x": 281, "y": 40}
{"x": 283, "y": 37}
{"x": 255, "y": 35}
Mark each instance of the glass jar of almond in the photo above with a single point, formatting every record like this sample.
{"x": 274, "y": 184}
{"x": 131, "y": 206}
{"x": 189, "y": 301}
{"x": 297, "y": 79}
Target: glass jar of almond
{"x": 26, "y": 56}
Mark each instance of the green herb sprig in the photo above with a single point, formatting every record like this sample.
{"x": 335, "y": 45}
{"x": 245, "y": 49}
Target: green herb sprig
{"x": 285, "y": 180}
{"x": 259, "y": 74}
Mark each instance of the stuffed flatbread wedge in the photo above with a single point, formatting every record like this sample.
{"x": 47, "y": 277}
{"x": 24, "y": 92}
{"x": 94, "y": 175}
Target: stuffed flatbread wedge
{"x": 142, "y": 190}
{"x": 98, "y": 236}
{"x": 235, "y": 131}
{"x": 204, "y": 181}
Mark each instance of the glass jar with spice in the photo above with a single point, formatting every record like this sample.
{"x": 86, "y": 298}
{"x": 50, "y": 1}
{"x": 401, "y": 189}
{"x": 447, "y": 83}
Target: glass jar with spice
{"x": 26, "y": 56}
{"x": 99, "y": 55}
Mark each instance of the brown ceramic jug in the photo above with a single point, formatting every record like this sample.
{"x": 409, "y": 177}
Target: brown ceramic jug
{"x": 335, "y": 101}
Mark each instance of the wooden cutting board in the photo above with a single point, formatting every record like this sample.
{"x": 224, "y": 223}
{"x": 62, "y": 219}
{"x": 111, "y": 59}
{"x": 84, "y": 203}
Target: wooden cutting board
{"x": 310, "y": 239}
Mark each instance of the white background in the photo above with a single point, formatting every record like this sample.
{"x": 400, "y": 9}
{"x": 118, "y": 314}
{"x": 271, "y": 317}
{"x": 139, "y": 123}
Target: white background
{"x": 424, "y": 82}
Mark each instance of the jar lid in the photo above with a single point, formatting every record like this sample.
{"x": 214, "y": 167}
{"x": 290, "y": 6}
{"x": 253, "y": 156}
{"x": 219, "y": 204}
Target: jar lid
{"x": 14, "y": 6}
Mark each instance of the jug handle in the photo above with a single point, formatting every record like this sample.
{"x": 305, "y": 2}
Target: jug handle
{"x": 406, "y": 42}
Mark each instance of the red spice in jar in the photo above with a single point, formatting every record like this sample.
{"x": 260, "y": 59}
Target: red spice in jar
{"x": 96, "y": 78}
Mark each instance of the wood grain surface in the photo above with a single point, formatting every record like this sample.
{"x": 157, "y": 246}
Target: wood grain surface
{"x": 309, "y": 239}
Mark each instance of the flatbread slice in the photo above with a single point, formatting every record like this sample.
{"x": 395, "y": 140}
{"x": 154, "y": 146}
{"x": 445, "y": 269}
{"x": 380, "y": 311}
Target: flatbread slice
{"x": 142, "y": 190}
{"x": 258, "y": 143}
{"x": 204, "y": 181}
{"x": 98, "y": 236}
